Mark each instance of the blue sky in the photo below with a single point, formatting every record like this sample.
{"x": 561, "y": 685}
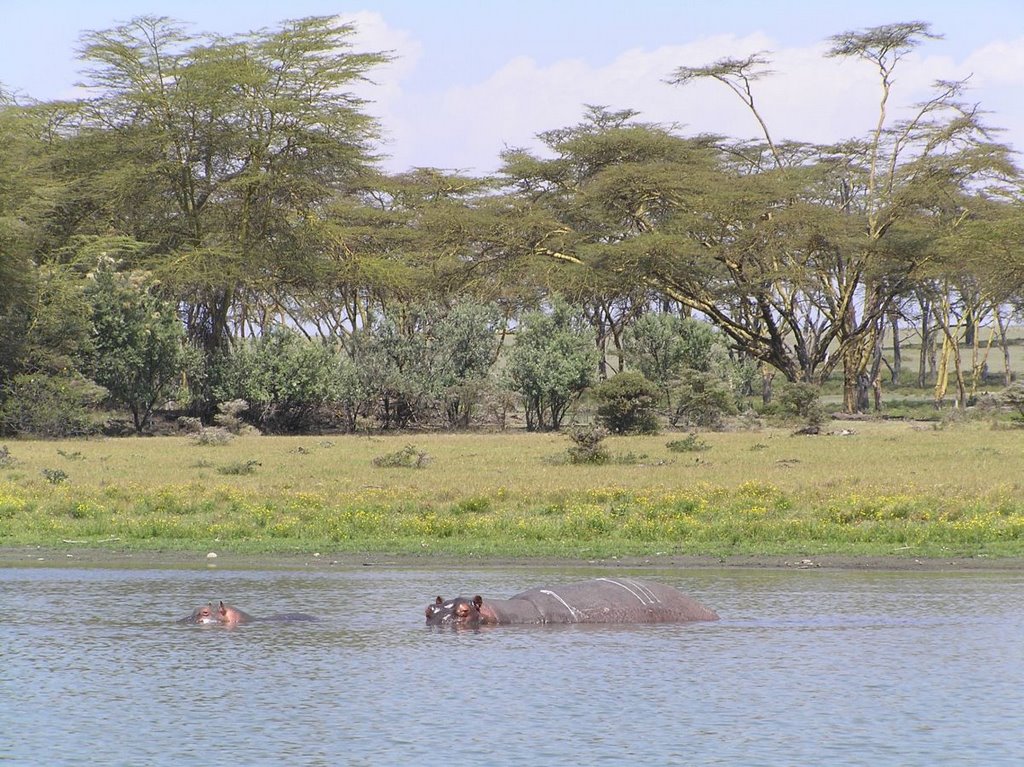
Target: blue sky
{"x": 475, "y": 77}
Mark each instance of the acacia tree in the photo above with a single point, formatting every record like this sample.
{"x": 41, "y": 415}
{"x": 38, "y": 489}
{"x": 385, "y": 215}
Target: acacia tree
{"x": 25, "y": 191}
{"x": 218, "y": 149}
{"x": 612, "y": 182}
{"x": 840, "y": 279}
{"x": 393, "y": 241}
{"x": 683, "y": 219}
{"x": 974, "y": 275}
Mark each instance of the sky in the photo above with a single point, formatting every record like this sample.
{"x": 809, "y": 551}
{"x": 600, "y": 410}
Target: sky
{"x": 472, "y": 78}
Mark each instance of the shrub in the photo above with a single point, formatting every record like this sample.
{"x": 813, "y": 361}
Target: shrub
{"x": 626, "y": 403}
{"x": 189, "y": 424}
{"x": 1013, "y": 397}
{"x": 48, "y": 406}
{"x": 420, "y": 363}
{"x": 212, "y": 436}
{"x": 463, "y": 349}
{"x": 702, "y": 400}
{"x": 551, "y": 364}
{"x": 56, "y": 334}
{"x": 406, "y": 458}
{"x": 587, "y": 447}
{"x": 55, "y": 476}
{"x": 802, "y": 400}
{"x": 138, "y": 350}
{"x": 391, "y": 374}
{"x": 662, "y": 346}
{"x": 284, "y": 378}
{"x": 239, "y": 468}
{"x": 689, "y": 444}
{"x": 229, "y": 416}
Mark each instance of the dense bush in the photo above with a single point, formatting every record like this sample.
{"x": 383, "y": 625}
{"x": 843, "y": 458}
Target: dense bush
{"x": 464, "y": 348}
{"x": 551, "y": 364}
{"x": 422, "y": 366}
{"x": 588, "y": 445}
{"x": 43, "y": 405}
{"x": 285, "y": 378}
{"x": 355, "y": 394}
{"x": 393, "y": 372}
{"x": 703, "y": 400}
{"x": 801, "y": 400}
{"x": 61, "y": 335}
{"x": 626, "y": 404}
{"x": 661, "y": 346}
{"x": 138, "y": 352}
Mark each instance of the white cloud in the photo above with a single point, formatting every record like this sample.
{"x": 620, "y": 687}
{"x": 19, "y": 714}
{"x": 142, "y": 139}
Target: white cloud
{"x": 808, "y": 97}
{"x": 997, "y": 81}
{"x": 999, "y": 63}
{"x": 384, "y": 91}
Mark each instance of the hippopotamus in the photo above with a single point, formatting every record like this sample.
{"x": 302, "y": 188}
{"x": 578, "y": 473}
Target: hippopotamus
{"x": 228, "y": 615}
{"x": 602, "y": 600}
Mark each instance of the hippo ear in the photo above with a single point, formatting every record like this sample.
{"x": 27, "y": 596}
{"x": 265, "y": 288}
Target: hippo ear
{"x": 438, "y": 601}
{"x": 478, "y": 601}
{"x": 223, "y": 608}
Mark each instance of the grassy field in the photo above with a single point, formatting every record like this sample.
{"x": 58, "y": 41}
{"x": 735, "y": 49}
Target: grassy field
{"x": 890, "y": 488}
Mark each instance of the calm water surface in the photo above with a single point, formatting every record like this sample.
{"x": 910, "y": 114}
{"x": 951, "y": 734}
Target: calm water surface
{"x": 805, "y": 668}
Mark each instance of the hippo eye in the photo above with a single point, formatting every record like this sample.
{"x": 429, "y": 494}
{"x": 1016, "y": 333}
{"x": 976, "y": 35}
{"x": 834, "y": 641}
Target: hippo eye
{"x": 449, "y": 605}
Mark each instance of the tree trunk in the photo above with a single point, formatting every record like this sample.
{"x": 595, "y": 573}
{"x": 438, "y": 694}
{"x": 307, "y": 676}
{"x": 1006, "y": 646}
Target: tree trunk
{"x": 767, "y": 376}
{"x": 857, "y": 371}
{"x": 850, "y": 398}
{"x": 970, "y": 328}
{"x": 942, "y": 374}
{"x": 897, "y": 350}
{"x": 927, "y": 352}
{"x": 1005, "y": 346}
{"x": 961, "y": 385}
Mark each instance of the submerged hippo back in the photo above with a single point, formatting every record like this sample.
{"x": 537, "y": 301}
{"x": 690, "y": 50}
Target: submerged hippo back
{"x": 289, "y": 617}
{"x": 615, "y": 600}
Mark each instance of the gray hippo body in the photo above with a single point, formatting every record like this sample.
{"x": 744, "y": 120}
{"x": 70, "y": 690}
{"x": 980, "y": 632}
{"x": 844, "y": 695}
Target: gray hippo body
{"x": 602, "y": 600}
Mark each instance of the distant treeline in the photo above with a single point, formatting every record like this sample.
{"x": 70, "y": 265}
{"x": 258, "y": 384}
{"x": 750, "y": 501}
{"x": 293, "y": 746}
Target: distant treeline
{"x": 210, "y": 224}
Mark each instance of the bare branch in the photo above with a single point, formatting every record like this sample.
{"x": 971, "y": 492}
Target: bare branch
{"x": 737, "y": 75}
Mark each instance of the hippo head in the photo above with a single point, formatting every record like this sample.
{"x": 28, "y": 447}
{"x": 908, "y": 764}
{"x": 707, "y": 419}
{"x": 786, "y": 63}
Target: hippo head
{"x": 459, "y": 611}
{"x": 203, "y": 615}
{"x": 232, "y": 616}
{"x": 223, "y": 614}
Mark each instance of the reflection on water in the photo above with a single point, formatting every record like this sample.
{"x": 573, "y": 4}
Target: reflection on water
{"x": 807, "y": 667}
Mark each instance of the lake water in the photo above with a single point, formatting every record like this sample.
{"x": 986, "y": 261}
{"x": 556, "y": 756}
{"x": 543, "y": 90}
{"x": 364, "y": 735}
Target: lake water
{"x": 807, "y": 667}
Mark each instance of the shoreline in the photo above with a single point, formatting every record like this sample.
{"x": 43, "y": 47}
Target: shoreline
{"x": 94, "y": 557}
